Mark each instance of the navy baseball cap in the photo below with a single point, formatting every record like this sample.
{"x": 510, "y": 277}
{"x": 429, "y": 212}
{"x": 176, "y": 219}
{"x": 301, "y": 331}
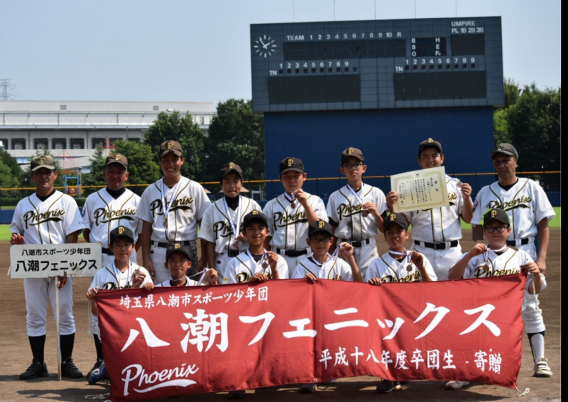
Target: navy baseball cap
{"x": 391, "y": 218}
{"x": 120, "y": 231}
{"x": 177, "y": 248}
{"x": 291, "y": 164}
{"x": 506, "y": 149}
{"x": 254, "y": 215}
{"x": 497, "y": 215}
{"x": 319, "y": 226}
{"x": 430, "y": 143}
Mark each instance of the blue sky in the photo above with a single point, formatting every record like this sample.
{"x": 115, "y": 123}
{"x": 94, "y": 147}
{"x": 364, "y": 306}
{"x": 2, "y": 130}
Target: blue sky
{"x": 189, "y": 50}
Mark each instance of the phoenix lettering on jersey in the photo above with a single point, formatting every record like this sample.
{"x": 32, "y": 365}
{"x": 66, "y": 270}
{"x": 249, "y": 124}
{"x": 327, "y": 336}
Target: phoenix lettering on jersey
{"x": 32, "y": 218}
{"x": 181, "y": 203}
{"x": 452, "y": 197}
{"x": 521, "y": 202}
{"x": 245, "y": 276}
{"x": 102, "y": 215}
{"x": 283, "y": 219}
{"x": 112, "y": 286}
{"x": 345, "y": 211}
{"x": 221, "y": 229}
{"x": 480, "y": 272}
{"x": 413, "y": 277}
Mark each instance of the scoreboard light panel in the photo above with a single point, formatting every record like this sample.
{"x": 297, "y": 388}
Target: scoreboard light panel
{"x": 378, "y": 64}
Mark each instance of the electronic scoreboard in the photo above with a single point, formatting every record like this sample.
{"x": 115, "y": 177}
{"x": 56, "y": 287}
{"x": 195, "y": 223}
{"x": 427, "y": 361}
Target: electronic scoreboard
{"x": 377, "y": 64}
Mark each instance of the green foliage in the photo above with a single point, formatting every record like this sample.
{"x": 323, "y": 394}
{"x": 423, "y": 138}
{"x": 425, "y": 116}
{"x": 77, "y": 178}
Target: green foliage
{"x": 236, "y": 134}
{"x": 13, "y": 175}
{"x": 181, "y": 128}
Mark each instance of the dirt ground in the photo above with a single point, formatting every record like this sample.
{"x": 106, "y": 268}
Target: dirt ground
{"x": 16, "y": 355}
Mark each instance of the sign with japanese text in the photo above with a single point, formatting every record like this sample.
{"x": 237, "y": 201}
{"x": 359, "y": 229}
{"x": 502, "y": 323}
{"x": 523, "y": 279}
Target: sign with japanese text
{"x": 49, "y": 260}
{"x": 176, "y": 341}
{"x": 420, "y": 189}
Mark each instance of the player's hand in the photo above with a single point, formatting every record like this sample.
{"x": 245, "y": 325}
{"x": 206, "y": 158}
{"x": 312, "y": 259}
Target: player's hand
{"x": 532, "y": 268}
{"x": 148, "y": 286}
{"x": 212, "y": 276}
{"x": 149, "y": 267}
{"x": 138, "y": 278}
{"x": 92, "y": 293}
{"x": 16, "y": 239}
{"x": 259, "y": 277}
{"x": 62, "y": 280}
{"x": 392, "y": 198}
{"x": 345, "y": 250}
{"x": 375, "y": 281}
{"x": 417, "y": 258}
{"x": 466, "y": 190}
{"x": 273, "y": 262}
{"x": 478, "y": 249}
{"x": 241, "y": 238}
{"x": 310, "y": 277}
{"x": 371, "y": 207}
{"x": 541, "y": 263}
{"x": 301, "y": 197}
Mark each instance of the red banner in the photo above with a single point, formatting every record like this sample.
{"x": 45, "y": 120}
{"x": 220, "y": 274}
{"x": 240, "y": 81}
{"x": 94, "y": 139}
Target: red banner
{"x": 177, "y": 341}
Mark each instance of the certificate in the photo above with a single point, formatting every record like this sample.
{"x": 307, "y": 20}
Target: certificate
{"x": 420, "y": 189}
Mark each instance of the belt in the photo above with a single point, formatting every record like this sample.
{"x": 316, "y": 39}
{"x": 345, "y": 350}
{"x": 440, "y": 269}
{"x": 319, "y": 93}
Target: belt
{"x": 292, "y": 253}
{"x": 107, "y": 251}
{"x": 438, "y": 246}
{"x": 519, "y": 242}
{"x": 233, "y": 253}
{"x": 357, "y": 243}
{"x": 183, "y": 243}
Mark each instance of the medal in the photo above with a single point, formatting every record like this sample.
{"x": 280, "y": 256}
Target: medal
{"x": 264, "y": 261}
{"x": 291, "y": 199}
{"x": 486, "y": 256}
{"x": 409, "y": 261}
{"x": 365, "y": 213}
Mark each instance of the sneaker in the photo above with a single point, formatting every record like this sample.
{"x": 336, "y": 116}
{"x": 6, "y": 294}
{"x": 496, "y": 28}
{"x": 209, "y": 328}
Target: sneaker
{"x": 240, "y": 394}
{"x": 453, "y": 385}
{"x": 541, "y": 368}
{"x": 99, "y": 374}
{"x": 307, "y": 388}
{"x": 69, "y": 370}
{"x": 96, "y": 366}
{"x": 387, "y": 386}
{"x": 35, "y": 370}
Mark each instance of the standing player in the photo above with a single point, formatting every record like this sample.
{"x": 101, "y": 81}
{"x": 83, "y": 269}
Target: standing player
{"x": 105, "y": 210}
{"x": 171, "y": 210}
{"x": 436, "y": 232}
{"x": 355, "y": 210}
{"x": 290, "y": 214}
{"x": 524, "y": 201}
{"x": 221, "y": 224}
{"x": 47, "y": 217}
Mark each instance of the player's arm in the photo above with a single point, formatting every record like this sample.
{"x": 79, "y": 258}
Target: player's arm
{"x": 346, "y": 252}
{"x": 477, "y": 232}
{"x": 391, "y": 199}
{"x": 533, "y": 269}
{"x": 457, "y": 271}
{"x": 145, "y": 239}
{"x": 202, "y": 263}
{"x": 86, "y": 235}
{"x": 267, "y": 240}
{"x": 418, "y": 260}
{"x": 303, "y": 200}
{"x": 467, "y": 212}
{"x": 543, "y": 238}
{"x": 72, "y": 237}
{"x": 333, "y": 244}
{"x": 210, "y": 253}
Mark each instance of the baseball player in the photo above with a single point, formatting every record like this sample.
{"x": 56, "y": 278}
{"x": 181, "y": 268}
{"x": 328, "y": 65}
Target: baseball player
{"x": 178, "y": 262}
{"x": 524, "y": 201}
{"x": 290, "y": 214}
{"x": 47, "y": 217}
{"x": 355, "y": 210}
{"x": 436, "y": 232}
{"x": 171, "y": 210}
{"x": 221, "y": 224}
{"x": 105, "y": 210}
{"x": 495, "y": 259}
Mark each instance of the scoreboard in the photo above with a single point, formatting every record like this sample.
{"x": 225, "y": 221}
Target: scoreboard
{"x": 378, "y": 64}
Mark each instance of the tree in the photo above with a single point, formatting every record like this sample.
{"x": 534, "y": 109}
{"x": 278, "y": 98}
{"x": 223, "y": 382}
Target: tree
{"x": 181, "y": 128}
{"x": 236, "y": 134}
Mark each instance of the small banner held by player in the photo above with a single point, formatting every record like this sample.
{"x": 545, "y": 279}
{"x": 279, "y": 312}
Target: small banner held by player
{"x": 176, "y": 341}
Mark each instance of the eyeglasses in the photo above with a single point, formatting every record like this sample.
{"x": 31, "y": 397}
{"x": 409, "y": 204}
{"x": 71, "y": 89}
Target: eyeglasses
{"x": 321, "y": 241}
{"x": 495, "y": 229}
{"x": 355, "y": 166}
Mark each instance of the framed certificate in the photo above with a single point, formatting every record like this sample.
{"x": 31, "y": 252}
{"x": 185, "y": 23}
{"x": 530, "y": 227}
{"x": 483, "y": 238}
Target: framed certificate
{"x": 420, "y": 189}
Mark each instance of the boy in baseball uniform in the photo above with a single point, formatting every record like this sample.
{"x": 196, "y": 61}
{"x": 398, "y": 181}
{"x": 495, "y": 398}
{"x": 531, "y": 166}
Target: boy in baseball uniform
{"x": 356, "y": 210}
{"x": 497, "y": 258}
{"x": 171, "y": 210}
{"x": 290, "y": 214}
{"x": 178, "y": 262}
{"x": 221, "y": 224}
{"x": 47, "y": 217}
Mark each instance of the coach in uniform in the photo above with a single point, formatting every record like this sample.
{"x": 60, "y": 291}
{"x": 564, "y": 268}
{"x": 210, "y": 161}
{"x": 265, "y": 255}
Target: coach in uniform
{"x": 105, "y": 210}
{"x": 47, "y": 217}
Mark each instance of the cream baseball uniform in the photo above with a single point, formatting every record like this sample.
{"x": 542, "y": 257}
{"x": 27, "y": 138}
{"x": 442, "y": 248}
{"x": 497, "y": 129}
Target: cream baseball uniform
{"x": 216, "y": 228}
{"x": 243, "y": 267}
{"x": 189, "y": 282}
{"x": 388, "y": 269}
{"x": 345, "y": 210}
{"x": 188, "y": 207}
{"x": 289, "y": 226}
{"x": 47, "y": 222}
{"x": 507, "y": 263}
{"x": 436, "y": 232}
{"x": 333, "y": 268}
{"x": 525, "y": 203}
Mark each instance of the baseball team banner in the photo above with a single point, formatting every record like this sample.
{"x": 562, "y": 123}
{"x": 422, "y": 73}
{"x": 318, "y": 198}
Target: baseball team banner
{"x": 176, "y": 341}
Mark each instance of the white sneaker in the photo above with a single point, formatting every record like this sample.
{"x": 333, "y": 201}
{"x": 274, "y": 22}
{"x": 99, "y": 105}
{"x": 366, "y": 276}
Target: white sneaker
{"x": 541, "y": 368}
{"x": 456, "y": 384}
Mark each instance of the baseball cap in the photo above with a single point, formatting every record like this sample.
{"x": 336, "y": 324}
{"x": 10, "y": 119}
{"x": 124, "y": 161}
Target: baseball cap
{"x": 231, "y": 167}
{"x": 177, "y": 248}
{"x": 355, "y": 152}
{"x": 170, "y": 146}
{"x": 254, "y": 215}
{"x": 291, "y": 164}
{"x": 43, "y": 161}
{"x": 319, "y": 226}
{"x": 506, "y": 149}
{"x": 495, "y": 214}
{"x": 429, "y": 143}
{"x": 120, "y": 231}
{"x": 117, "y": 158}
{"x": 399, "y": 219}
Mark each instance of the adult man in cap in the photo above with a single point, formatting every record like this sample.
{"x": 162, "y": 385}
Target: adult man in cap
{"x": 47, "y": 217}
{"x": 436, "y": 232}
{"x": 171, "y": 210}
{"x": 105, "y": 210}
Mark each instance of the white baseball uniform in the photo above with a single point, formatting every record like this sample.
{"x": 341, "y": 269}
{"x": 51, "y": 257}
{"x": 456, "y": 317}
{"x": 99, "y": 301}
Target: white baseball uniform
{"x": 189, "y": 282}
{"x": 507, "y": 263}
{"x": 436, "y": 232}
{"x": 188, "y": 207}
{"x": 243, "y": 267}
{"x": 333, "y": 268}
{"x": 388, "y": 269}
{"x": 102, "y": 213}
{"x": 289, "y": 226}
{"x": 216, "y": 228}
{"x": 525, "y": 203}
{"x": 346, "y": 210}
{"x": 47, "y": 222}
